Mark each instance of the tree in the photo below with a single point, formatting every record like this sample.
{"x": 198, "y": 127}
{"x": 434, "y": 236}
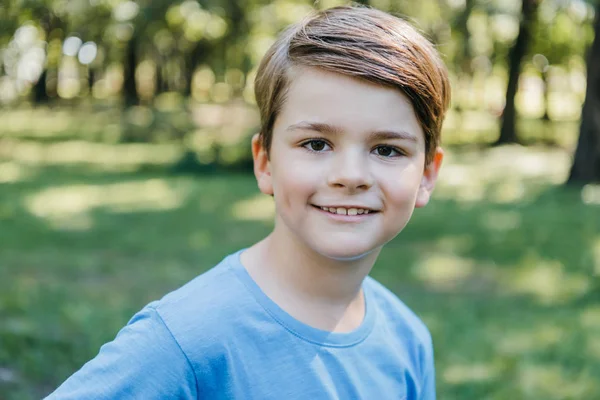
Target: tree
{"x": 464, "y": 56}
{"x": 561, "y": 34}
{"x": 49, "y": 20}
{"x": 586, "y": 165}
{"x": 508, "y": 133}
{"x": 130, "y": 62}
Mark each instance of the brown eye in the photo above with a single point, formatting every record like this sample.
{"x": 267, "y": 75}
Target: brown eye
{"x": 315, "y": 145}
{"x": 385, "y": 151}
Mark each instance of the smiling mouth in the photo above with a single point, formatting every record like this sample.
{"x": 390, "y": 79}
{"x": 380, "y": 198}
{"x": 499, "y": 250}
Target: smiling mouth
{"x": 346, "y": 210}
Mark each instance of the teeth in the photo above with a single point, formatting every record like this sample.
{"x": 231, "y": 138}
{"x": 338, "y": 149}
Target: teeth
{"x": 344, "y": 211}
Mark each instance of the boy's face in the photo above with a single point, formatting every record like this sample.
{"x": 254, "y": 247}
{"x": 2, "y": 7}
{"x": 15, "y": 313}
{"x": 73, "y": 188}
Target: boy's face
{"x": 347, "y": 146}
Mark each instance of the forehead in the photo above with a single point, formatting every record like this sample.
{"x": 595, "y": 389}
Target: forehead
{"x": 354, "y": 105}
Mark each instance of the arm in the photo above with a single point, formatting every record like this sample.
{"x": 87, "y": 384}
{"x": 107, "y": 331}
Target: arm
{"x": 428, "y": 392}
{"x": 143, "y": 362}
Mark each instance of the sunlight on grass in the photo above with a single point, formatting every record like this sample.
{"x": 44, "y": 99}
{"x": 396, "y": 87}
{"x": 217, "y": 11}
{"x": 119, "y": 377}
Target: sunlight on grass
{"x": 516, "y": 161}
{"x": 45, "y": 121}
{"x": 80, "y": 152}
{"x": 68, "y": 206}
{"x": 454, "y": 174}
{"x": 547, "y": 280}
{"x": 519, "y": 342}
{"x": 502, "y": 174}
{"x": 455, "y": 243}
{"x": 11, "y": 172}
{"x": 459, "y": 181}
{"x": 551, "y": 381}
{"x": 501, "y": 220}
{"x": 509, "y": 191}
{"x": 257, "y": 208}
{"x": 590, "y": 194}
{"x": 469, "y": 373}
{"x": 444, "y": 271}
{"x": 8, "y": 376}
{"x": 593, "y": 347}
{"x": 590, "y": 317}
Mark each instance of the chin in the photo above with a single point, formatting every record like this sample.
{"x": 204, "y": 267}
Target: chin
{"x": 352, "y": 257}
{"x": 343, "y": 251}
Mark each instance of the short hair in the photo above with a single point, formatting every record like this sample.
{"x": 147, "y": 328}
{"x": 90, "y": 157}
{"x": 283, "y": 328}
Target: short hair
{"x": 364, "y": 43}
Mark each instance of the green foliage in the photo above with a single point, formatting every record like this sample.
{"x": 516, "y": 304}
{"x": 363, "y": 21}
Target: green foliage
{"x": 171, "y": 41}
{"x": 562, "y": 32}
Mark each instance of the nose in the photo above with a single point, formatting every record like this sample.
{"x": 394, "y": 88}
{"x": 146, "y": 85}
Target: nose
{"x": 350, "y": 171}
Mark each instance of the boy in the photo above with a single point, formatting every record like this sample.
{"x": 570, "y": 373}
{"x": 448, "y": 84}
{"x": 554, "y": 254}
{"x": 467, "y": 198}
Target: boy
{"x": 352, "y": 102}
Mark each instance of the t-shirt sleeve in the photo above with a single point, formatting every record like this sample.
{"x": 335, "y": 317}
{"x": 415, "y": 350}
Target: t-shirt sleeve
{"x": 144, "y": 361}
{"x": 428, "y": 392}
{"x": 429, "y": 386}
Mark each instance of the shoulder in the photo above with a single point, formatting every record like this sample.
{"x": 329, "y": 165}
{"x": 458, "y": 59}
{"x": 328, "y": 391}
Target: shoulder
{"x": 397, "y": 311}
{"x": 167, "y": 345}
{"x": 143, "y": 360}
{"x": 204, "y": 312}
{"x": 200, "y": 294}
{"x": 214, "y": 294}
{"x": 403, "y": 324}
{"x": 406, "y": 330}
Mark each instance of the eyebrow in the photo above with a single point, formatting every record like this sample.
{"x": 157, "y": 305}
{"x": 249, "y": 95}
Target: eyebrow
{"x": 335, "y": 130}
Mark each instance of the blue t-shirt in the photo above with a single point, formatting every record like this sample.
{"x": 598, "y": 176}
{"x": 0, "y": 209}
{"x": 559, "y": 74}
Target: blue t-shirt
{"x": 220, "y": 337}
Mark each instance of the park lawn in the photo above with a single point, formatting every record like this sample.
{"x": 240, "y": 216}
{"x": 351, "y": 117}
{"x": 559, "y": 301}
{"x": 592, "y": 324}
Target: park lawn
{"x": 503, "y": 266}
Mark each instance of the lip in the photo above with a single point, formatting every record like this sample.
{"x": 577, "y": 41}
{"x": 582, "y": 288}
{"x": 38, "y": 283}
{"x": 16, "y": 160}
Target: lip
{"x": 347, "y": 207}
{"x": 345, "y": 217}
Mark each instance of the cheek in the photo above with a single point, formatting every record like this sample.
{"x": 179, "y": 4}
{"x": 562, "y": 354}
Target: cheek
{"x": 293, "y": 183}
{"x": 402, "y": 192}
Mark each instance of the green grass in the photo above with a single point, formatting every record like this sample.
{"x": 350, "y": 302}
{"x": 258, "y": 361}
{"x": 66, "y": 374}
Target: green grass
{"x": 503, "y": 266}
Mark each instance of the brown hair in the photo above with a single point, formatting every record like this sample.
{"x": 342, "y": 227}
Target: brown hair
{"x": 364, "y": 43}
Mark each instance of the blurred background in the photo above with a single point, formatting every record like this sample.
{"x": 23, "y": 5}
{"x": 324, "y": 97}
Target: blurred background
{"x": 125, "y": 171}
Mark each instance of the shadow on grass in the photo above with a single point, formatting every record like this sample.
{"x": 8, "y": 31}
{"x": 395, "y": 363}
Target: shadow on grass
{"x": 508, "y": 290}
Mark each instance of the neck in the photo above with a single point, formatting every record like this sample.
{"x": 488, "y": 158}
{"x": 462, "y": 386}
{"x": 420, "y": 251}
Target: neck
{"x": 316, "y": 276}
{"x": 318, "y": 290}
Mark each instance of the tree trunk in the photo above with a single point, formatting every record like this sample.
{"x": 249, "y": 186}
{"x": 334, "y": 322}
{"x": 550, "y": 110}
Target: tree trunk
{"x": 546, "y": 116}
{"x": 40, "y": 94}
{"x": 464, "y": 56}
{"x": 508, "y": 133}
{"x": 130, "y": 93}
{"x": 465, "y": 53}
{"x": 91, "y": 79}
{"x": 197, "y": 56}
{"x": 48, "y": 22}
{"x": 159, "y": 78}
{"x": 586, "y": 165}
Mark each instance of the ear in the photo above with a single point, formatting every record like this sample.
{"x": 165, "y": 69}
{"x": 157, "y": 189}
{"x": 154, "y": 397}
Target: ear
{"x": 262, "y": 166}
{"x": 429, "y": 179}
